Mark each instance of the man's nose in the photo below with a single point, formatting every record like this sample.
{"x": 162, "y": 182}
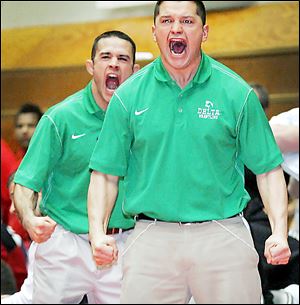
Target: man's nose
{"x": 114, "y": 63}
{"x": 176, "y": 27}
{"x": 24, "y": 129}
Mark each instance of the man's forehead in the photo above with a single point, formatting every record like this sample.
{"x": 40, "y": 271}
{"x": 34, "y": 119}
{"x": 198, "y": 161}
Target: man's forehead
{"x": 26, "y": 116}
{"x": 186, "y": 8}
{"x": 111, "y": 43}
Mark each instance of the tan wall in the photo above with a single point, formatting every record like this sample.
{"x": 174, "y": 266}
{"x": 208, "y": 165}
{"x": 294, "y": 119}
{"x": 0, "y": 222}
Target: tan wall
{"x": 46, "y": 64}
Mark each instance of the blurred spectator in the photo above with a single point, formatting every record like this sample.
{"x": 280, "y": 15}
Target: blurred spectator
{"x": 13, "y": 246}
{"x": 13, "y": 220}
{"x": 8, "y": 282}
{"x": 8, "y": 165}
{"x": 13, "y": 253}
{"x": 26, "y": 120}
{"x": 15, "y": 240}
{"x": 285, "y": 127}
{"x": 262, "y": 93}
{"x": 274, "y": 278}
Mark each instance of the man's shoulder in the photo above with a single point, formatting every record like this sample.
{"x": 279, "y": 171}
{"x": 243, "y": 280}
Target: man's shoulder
{"x": 227, "y": 74}
{"x": 66, "y": 106}
{"x": 131, "y": 90}
{"x": 138, "y": 78}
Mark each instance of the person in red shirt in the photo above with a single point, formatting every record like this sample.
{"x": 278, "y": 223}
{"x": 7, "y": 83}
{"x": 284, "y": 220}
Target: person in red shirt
{"x": 15, "y": 240}
{"x": 11, "y": 244}
{"x": 26, "y": 120}
{"x": 8, "y": 166}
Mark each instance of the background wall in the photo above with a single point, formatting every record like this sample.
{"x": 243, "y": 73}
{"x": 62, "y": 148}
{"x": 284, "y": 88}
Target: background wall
{"x": 44, "y": 64}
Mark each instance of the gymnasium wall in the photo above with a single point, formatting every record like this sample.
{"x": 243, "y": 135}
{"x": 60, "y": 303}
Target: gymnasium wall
{"x": 46, "y": 64}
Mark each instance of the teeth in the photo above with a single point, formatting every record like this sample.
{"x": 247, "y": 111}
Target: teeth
{"x": 112, "y": 81}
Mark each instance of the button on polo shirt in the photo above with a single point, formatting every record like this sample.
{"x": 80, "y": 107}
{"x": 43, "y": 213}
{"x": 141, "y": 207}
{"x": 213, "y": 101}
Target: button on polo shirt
{"x": 58, "y": 157}
{"x": 183, "y": 151}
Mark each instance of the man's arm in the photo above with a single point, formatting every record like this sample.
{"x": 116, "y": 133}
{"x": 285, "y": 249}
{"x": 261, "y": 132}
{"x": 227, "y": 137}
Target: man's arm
{"x": 273, "y": 191}
{"x": 102, "y": 194}
{"x": 39, "y": 228}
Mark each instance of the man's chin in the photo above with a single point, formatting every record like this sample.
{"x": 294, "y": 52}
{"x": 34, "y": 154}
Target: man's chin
{"x": 108, "y": 95}
{"x": 25, "y": 145}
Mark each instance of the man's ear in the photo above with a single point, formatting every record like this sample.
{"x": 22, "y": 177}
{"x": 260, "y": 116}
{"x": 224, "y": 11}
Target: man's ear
{"x": 153, "y": 33}
{"x": 205, "y": 33}
{"x": 136, "y": 68}
{"x": 89, "y": 66}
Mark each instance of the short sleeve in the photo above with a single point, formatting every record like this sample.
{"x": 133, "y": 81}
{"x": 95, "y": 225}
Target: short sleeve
{"x": 42, "y": 155}
{"x": 257, "y": 147}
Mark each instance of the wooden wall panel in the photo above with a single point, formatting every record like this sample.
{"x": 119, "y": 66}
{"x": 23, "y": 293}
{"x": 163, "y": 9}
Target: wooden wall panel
{"x": 249, "y": 30}
{"x": 278, "y": 72}
{"x": 43, "y": 86}
{"x": 46, "y": 64}
{"x": 253, "y": 29}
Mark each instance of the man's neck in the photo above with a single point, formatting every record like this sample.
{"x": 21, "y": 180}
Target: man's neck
{"x": 185, "y": 75}
{"x": 99, "y": 98}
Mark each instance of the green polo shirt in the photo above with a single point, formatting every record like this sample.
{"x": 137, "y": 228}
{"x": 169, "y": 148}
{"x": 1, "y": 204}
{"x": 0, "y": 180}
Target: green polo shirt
{"x": 182, "y": 151}
{"x": 57, "y": 162}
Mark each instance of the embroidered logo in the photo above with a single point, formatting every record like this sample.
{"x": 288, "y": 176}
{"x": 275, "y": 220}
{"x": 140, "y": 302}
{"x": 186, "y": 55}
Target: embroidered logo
{"x": 140, "y": 112}
{"x": 209, "y": 112}
{"x": 74, "y": 137}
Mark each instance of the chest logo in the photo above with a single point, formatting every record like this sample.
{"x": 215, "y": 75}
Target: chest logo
{"x": 74, "y": 137}
{"x": 140, "y": 112}
{"x": 209, "y": 112}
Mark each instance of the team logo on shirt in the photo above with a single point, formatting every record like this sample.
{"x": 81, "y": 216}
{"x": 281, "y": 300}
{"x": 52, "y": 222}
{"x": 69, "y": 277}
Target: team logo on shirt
{"x": 74, "y": 137}
{"x": 209, "y": 112}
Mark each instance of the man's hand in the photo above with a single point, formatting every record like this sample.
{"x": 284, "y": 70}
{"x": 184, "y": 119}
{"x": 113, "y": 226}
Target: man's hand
{"x": 277, "y": 251}
{"x": 105, "y": 251}
{"x": 39, "y": 229}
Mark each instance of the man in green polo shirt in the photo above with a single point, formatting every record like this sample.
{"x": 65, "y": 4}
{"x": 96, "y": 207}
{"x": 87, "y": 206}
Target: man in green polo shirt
{"x": 180, "y": 132}
{"x": 56, "y": 164}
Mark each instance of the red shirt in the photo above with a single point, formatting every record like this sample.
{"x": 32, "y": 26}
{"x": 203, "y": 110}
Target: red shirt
{"x": 8, "y": 166}
{"x": 19, "y": 155}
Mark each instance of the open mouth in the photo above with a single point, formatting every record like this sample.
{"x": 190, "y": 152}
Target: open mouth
{"x": 177, "y": 46}
{"x": 112, "y": 81}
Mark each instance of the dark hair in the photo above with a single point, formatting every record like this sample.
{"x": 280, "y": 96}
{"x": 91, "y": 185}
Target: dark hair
{"x": 8, "y": 280}
{"x": 263, "y": 94}
{"x": 29, "y": 108}
{"x": 108, "y": 34}
{"x": 10, "y": 179}
{"x": 201, "y": 11}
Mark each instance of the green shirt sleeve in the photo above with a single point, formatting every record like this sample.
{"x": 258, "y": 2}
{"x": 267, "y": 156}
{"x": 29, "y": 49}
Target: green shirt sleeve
{"x": 41, "y": 157}
{"x": 257, "y": 147}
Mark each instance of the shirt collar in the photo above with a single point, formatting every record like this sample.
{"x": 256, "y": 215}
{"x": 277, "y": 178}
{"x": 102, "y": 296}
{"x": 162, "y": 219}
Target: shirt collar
{"x": 202, "y": 74}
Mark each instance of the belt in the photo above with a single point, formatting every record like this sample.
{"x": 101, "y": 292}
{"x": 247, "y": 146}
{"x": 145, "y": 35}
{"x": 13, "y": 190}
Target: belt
{"x": 145, "y": 217}
{"x": 116, "y": 230}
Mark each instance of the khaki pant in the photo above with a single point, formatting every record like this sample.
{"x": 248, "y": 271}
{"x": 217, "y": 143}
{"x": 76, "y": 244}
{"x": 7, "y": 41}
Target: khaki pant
{"x": 167, "y": 263}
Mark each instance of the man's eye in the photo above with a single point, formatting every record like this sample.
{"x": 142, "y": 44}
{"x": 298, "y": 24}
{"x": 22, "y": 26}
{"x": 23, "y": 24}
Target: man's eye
{"x": 187, "y": 21}
{"x": 166, "y": 21}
